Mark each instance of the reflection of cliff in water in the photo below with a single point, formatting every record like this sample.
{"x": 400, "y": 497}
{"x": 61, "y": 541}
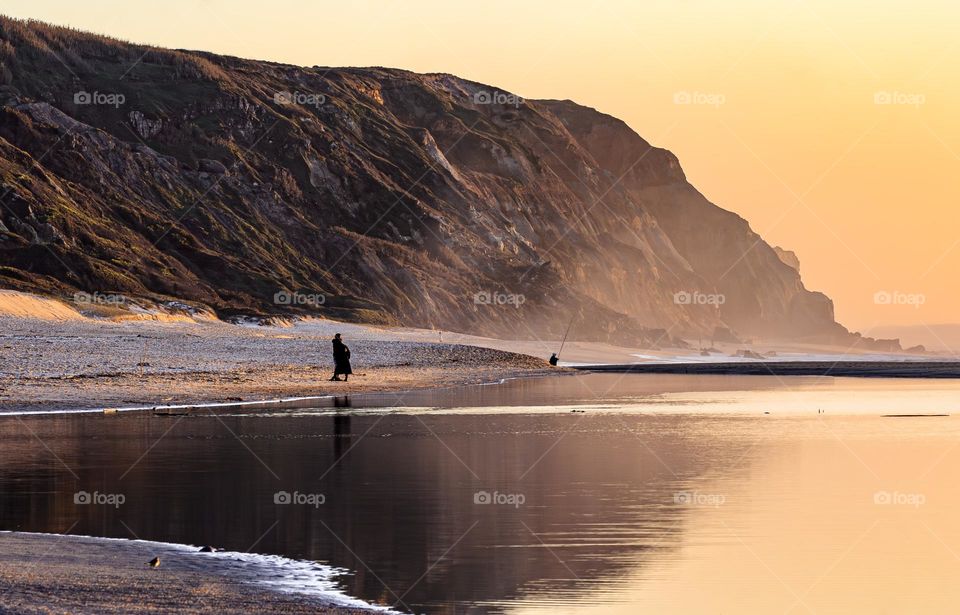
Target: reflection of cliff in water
{"x": 400, "y": 493}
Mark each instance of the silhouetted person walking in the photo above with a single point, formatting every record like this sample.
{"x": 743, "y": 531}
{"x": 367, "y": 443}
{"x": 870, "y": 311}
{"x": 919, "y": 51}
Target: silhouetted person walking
{"x": 341, "y": 359}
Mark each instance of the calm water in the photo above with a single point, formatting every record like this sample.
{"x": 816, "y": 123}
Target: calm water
{"x": 665, "y": 494}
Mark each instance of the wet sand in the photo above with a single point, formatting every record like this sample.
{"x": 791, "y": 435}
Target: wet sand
{"x": 42, "y": 573}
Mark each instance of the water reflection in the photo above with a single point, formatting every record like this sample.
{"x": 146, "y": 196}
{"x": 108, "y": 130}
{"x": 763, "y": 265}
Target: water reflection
{"x": 341, "y": 426}
{"x": 503, "y": 511}
{"x": 400, "y": 502}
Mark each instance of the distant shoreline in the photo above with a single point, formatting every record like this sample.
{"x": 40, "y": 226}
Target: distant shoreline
{"x": 852, "y": 369}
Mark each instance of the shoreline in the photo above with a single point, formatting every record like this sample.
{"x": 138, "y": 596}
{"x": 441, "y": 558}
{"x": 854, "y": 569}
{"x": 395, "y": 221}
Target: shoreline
{"x": 282, "y": 403}
{"x": 42, "y": 573}
{"x": 839, "y": 369}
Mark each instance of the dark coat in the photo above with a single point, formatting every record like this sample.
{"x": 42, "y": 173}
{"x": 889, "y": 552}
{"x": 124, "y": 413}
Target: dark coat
{"x": 341, "y": 358}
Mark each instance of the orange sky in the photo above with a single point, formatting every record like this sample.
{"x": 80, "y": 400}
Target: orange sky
{"x": 832, "y": 129}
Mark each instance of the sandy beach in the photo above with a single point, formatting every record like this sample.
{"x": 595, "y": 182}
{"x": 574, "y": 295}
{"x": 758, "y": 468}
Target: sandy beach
{"x": 74, "y": 364}
{"x": 44, "y": 573}
{"x": 56, "y": 359}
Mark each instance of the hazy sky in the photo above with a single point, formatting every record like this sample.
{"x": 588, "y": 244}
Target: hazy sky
{"x": 831, "y": 126}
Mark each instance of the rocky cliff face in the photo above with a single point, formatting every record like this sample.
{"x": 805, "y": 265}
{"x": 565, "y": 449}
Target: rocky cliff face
{"x": 370, "y": 194}
{"x": 788, "y": 257}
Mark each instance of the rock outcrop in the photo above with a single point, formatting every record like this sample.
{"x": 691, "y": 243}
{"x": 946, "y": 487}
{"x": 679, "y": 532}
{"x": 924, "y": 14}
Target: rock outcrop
{"x": 788, "y": 257}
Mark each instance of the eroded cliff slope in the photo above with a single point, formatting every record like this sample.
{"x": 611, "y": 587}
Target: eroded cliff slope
{"x": 371, "y": 194}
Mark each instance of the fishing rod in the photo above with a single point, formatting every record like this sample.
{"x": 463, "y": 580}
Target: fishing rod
{"x": 564, "y": 341}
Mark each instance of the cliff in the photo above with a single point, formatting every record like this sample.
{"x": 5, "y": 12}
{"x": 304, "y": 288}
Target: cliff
{"x": 367, "y": 194}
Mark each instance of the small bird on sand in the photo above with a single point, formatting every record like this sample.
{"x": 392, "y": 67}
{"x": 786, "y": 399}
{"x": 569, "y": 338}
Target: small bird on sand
{"x": 154, "y": 563}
